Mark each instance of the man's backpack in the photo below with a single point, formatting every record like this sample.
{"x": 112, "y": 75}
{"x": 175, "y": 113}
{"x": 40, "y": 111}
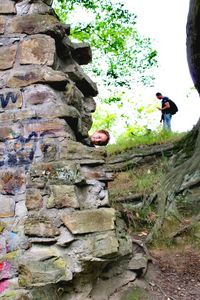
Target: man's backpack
{"x": 173, "y": 107}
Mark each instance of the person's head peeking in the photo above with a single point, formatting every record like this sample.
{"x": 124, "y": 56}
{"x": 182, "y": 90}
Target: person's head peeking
{"x": 100, "y": 137}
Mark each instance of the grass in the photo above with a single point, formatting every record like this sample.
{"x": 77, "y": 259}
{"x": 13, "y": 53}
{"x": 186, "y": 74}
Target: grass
{"x": 143, "y": 180}
{"x": 128, "y": 141}
{"x": 139, "y": 180}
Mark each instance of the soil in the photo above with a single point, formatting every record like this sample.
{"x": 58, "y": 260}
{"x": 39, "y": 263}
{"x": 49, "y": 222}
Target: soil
{"x": 176, "y": 274}
{"x": 172, "y": 275}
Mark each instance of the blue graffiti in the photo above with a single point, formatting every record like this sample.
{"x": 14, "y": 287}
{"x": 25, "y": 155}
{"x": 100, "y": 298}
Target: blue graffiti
{"x": 21, "y": 150}
{"x": 5, "y": 99}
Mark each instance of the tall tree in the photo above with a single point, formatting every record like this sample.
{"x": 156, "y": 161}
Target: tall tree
{"x": 120, "y": 55}
{"x": 122, "y": 58}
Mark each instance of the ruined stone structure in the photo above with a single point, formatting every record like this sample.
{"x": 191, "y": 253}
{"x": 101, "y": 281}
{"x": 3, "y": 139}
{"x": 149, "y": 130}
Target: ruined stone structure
{"x": 58, "y": 234}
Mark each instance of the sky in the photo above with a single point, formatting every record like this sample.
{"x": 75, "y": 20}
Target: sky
{"x": 164, "y": 21}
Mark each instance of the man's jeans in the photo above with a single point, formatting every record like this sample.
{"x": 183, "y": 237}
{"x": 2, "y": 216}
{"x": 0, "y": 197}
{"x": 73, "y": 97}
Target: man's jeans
{"x": 167, "y": 122}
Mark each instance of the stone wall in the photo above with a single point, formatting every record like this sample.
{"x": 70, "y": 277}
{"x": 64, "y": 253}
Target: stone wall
{"x": 58, "y": 234}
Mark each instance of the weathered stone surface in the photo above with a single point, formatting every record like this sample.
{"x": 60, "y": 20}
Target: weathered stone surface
{"x": 38, "y": 49}
{"x": 8, "y": 269}
{"x": 2, "y": 24}
{"x": 33, "y": 199}
{"x": 44, "y": 126}
{"x": 39, "y": 94}
{"x": 86, "y": 124}
{"x": 12, "y": 181}
{"x": 83, "y": 82}
{"x": 81, "y": 52}
{"x": 40, "y": 7}
{"x": 51, "y": 185}
{"x": 105, "y": 244}
{"x": 39, "y": 273}
{"x": 24, "y": 76}
{"x": 96, "y": 172}
{"x": 62, "y": 197}
{"x": 93, "y": 195}
{"x": 20, "y": 209}
{"x": 7, "y": 56}
{"x": 77, "y": 151}
{"x": 40, "y": 226}
{"x": 65, "y": 237}
{"x": 7, "y": 206}
{"x": 7, "y": 7}
{"x": 9, "y": 40}
{"x": 14, "y": 241}
{"x": 89, "y": 105}
{"x": 9, "y": 131}
{"x": 10, "y": 99}
{"x": 138, "y": 261}
{"x": 95, "y": 246}
{"x": 36, "y": 23}
{"x": 105, "y": 288}
{"x": 73, "y": 96}
{"x": 90, "y": 220}
{"x": 55, "y": 173}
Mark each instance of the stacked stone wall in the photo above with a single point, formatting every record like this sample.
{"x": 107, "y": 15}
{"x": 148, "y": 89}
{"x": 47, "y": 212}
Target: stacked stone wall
{"x": 58, "y": 233}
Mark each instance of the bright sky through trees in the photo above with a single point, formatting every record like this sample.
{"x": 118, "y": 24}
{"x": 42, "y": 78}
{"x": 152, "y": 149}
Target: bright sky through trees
{"x": 165, "y": 22}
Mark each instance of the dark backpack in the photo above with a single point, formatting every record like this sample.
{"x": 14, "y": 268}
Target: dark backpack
{"x": 173, "y": 107}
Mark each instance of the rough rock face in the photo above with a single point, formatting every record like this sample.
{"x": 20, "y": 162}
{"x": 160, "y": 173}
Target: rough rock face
{"x": 58, "y": 234}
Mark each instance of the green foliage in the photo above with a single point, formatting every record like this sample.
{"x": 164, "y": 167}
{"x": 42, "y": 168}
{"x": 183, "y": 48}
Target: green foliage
{"x": 122, "y": 58}
{"x": 119, "y": 52}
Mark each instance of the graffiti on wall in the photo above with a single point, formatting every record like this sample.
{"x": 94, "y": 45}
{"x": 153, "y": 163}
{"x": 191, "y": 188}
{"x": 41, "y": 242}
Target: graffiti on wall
{"x": 21, "y": 150}
{"x": 4, "y": 99}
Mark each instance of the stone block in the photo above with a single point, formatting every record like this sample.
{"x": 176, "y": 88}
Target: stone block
{"x": 96, "y": 173}
{"x": 7, "y": 56}
{"x": 55, "y": 173}
{"x": 40, "y": 273}
{"x": 65, "y": 237}
{"x": 77, "y": 151}
{"x": 10, "y": 99}
{"x": 81, "y": 52}
{"x": 24, "y": 76}
{"x": 33, "y": 199}
{"x": 89, "y": 105}
{"x": 2, "y": 24}
{"x": 105, "y": 244}
{"x": 7, "y": 206}
{"x": 38, "y": 49}
{"x": 42, "y": 127}
{"x": 62, "y": 197}
{"x": 11, "y": 131}
{"x": 7, "y": 7}
{"x": 39, "y": 94}
{"x": 40, "y": 227}
{"x": 83, "y": 82}
{"x": 138, "y": 262}
{"x": 93, "y": 195}
{"x": 73, "y": 96}
{"x": 12, "y": 181}
{"x": 36, "y": 23}
{"x": 86, "y": 221}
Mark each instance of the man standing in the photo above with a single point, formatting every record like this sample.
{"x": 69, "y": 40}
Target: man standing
{"x": 165, "y": 111}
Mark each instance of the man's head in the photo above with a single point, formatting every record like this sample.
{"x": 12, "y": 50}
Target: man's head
{"x": 100, "y": 137}
{"x": 159, "y": 96}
